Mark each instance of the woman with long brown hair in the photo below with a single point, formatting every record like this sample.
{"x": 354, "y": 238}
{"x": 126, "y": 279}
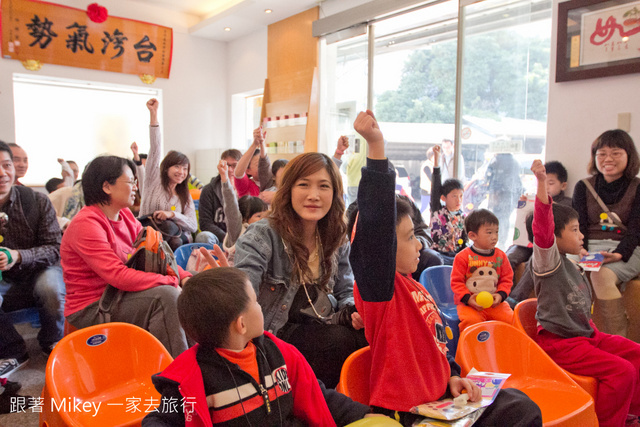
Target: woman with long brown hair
{"x": 298, "y": 263}
{"x": 165, "y": 193}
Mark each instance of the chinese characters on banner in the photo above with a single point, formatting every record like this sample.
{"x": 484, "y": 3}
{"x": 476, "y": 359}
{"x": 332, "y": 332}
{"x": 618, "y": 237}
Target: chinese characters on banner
{"x": 611, "y": 34}
{"x": 62, "y": 35}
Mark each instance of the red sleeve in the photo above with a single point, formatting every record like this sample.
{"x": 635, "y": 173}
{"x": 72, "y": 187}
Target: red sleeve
{"x": 505, "y": 282}
{"x": 90, "y": 240}
{"x": 543, "y": 224}
{"x": 458, "y": 276}
{"x": 242, "y": 185}
{"x": 309, "y": 404}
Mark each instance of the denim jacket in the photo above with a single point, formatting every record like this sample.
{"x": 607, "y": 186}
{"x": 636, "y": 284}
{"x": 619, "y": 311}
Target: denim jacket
{"x": 260, "y": 252}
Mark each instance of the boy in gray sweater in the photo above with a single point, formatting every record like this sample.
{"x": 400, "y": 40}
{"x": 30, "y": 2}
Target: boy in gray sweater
{"x": 565, "y": 329}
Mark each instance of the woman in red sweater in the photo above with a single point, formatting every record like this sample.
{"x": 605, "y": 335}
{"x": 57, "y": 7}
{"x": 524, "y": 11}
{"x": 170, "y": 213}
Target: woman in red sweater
{"x": 95, "y": 248}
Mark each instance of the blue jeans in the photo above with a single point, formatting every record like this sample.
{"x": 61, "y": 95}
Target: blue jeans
{"x": 44, "y": 290}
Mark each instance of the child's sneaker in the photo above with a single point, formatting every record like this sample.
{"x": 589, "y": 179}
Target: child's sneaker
{"x": 9, "y": 366}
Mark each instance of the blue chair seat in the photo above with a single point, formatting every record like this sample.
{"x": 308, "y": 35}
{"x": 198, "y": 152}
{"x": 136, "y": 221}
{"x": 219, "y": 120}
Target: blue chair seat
{"x": 437, "y": 280}
{"x": 183, "y": 252}
{"x": 26, "y": 315}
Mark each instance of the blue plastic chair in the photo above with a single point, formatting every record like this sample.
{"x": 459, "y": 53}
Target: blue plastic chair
{"x": 183, "y": 252}
{"x": 437, "y": 280}
{"x": 26, "y": 315}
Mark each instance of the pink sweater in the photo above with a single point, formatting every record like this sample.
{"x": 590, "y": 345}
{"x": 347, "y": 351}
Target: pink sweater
{"x": 93, "y": 252}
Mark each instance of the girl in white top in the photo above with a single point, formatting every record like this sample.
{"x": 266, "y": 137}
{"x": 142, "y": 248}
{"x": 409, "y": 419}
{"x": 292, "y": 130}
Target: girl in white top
{"x": 165, "y": 190}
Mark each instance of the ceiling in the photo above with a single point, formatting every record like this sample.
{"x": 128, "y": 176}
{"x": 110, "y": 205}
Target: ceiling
{"x": 242, "y": 16}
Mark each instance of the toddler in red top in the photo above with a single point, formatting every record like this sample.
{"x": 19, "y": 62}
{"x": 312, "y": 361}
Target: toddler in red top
{"x": 482, "y": 267}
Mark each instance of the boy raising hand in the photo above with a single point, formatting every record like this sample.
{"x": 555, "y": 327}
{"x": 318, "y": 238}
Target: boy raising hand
{"x": 566, "y": 331}
{"x": 409, "y": 360}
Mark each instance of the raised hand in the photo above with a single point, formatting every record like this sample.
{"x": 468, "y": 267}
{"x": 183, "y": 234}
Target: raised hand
{"x": 539, "y": 170}
{"x": 436, "y": 156}
{"x": 343, "y": 144}
{"x": 223, "y": 170}
{"x": 367, "y": 126}
{"x": 134, "y": 150}
{"x": 153, "y": 105}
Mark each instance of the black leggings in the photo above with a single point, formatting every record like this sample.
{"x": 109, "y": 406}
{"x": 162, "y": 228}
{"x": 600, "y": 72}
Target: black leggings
{"x": 325, "y": 347}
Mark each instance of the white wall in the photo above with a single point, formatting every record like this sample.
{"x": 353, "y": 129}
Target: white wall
{"x": 581, "y": 110}
{"x": 246, "y": 72}
{"x": 195, "y": 111}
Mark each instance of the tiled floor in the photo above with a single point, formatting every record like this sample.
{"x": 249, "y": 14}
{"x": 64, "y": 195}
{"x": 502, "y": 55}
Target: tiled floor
{"x": 31, "y": 376}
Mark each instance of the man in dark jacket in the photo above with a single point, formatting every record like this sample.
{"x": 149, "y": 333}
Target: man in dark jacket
{"x": 211, "y": 208}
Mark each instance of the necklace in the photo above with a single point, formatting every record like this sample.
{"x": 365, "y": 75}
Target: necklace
{"x": 316, "y": 253}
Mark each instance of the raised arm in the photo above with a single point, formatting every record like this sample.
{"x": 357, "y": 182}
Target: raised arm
{"x": 232, "y": 216}
{"x": 436, "y": 181}
{"x": 152, "y": 175}
{"x": 245, "y": 160}
{"x": 373, "y": 252}
{"x": 542, "y": 227}
{"x": 546, "y": 256}
{"x": 67, "y": 173}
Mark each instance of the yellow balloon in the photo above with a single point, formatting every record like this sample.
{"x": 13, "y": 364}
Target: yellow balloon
{"x": 484, "y": 299}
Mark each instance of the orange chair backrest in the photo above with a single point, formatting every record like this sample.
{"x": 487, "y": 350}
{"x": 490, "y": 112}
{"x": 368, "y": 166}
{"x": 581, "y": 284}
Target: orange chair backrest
{"x": 355, "y": 374}
{"x": 524, "y": 317}
{"x": 107, "y": 362}
{"x": 499, "y": 347}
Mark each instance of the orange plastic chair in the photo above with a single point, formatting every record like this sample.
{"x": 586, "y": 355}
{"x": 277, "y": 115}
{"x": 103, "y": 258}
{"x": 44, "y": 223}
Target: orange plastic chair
{"x": 108, "y": 365}
{"x": 499, "y": 347}
{"x": 524, "y": 319}
{"x": 354, "y": 376}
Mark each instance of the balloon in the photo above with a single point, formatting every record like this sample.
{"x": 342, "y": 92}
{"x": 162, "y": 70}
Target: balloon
{"x": 484, "y": 299}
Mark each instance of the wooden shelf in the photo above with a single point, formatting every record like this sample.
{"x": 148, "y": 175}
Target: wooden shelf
{"x": 291, "y": 86}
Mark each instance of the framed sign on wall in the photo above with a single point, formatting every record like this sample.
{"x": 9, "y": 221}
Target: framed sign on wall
{"x": 597, "y": 39}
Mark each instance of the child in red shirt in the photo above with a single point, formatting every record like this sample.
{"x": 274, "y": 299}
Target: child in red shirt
{"x": 482, "y": 267}
{"x": 410, "y": 364}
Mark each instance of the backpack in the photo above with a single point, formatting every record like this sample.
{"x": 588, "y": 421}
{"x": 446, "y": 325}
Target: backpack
{"x": 152, "y": 254}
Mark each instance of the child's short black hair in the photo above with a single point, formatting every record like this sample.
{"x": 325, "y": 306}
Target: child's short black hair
{"x": 403, "y": 208}
{"x": 562, "y": 215}
{"x": 450, "y": 185}
{"x": 251, "y": 205}
{"x": 209, "y": 302}
{"x": 478, "y": 218}
{"x": 558, "y": 169}
{"x": 277, "y": 165}
{"x": 52, "y": 184}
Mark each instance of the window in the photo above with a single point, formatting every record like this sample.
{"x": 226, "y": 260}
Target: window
{"x": 77, "y": 120}
{"x": 500, "y": 62}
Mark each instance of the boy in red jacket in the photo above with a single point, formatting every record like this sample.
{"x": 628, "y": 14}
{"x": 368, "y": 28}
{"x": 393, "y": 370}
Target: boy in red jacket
{"x": 237, "y": 374}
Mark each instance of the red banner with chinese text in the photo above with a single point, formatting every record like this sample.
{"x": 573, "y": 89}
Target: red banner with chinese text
{"x": 63, "y": 35}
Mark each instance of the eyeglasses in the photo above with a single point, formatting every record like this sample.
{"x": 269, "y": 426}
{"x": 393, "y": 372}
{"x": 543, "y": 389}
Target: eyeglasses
{"x": 616, "y": 155}
{"x": 132, "y": 183}
{"x": 232, "y": 165}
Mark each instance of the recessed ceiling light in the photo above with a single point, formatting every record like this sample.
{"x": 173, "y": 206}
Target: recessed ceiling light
{"x": 227, "y": 28}
{"x": 268, "y": 11}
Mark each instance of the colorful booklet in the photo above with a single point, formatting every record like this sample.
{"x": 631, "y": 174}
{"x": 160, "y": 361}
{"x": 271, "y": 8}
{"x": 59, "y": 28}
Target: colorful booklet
{"x": 444, "y": 412}
{"x": 591, "y": 261}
